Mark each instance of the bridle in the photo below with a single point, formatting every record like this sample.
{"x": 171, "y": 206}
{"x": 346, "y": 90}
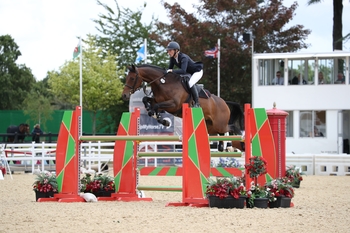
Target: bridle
{"x": 132, "y": 88}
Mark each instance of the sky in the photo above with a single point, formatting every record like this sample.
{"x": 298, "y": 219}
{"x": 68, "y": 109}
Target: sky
{"x": 47, "y": 31}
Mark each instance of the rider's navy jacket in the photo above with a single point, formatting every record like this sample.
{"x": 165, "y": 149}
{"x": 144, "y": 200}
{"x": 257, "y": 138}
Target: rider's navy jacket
{"x": 186, "y": 64}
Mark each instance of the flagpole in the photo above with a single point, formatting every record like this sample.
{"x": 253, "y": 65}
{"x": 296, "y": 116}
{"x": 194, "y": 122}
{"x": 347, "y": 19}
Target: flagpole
{"x": 81, "y": 83}
{"x": 145, "y": 44}
{"x": 218, "y": 67}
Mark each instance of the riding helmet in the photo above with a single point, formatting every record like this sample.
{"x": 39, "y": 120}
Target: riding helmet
{"x": 173, "y": 45}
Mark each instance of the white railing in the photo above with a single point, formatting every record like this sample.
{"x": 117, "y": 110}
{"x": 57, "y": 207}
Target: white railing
{"x": 92, "y": 153}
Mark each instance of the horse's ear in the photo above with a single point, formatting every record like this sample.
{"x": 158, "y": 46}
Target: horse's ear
{"x": 134, "y": 68}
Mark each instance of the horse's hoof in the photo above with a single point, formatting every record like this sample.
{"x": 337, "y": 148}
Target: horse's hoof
{"x": 166, "y": 123}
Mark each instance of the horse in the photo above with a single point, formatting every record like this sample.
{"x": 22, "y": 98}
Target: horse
{"x": 18, "y": 131}
{"x": 170, "y": 90}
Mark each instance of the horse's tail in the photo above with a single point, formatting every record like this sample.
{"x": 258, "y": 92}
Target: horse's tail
{"x": 236, "y": 114}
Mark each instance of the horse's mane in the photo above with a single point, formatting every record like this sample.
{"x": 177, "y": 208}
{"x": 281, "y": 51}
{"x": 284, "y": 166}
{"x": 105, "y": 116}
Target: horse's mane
{"x": 152, "y": 66}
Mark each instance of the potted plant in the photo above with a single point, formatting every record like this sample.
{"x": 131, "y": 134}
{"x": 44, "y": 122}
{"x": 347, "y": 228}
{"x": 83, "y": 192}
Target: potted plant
{"x": 294, "y": 175}
{"x": 282, "y": 192}
{"x": 256, "y": 167}
{"x": 258, "y": 196}
{"x": 45, "y": 185}
{"x": 227, "y": 192}
{"x": 99, "y": 184}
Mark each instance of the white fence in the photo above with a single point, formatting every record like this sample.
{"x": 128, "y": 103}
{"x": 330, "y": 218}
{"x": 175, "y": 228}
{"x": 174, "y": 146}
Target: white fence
{"x": 44, "y": 154}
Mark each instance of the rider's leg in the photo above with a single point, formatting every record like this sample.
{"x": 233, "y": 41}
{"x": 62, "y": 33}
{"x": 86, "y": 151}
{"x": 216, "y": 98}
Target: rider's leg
{"x": 194, "y": 79}
{"x": 195, "y": 96}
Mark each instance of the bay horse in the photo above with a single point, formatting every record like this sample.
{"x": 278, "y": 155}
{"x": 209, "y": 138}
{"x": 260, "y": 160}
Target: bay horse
{"x": 19, "y": 132}
{"x": 169, "y": 91}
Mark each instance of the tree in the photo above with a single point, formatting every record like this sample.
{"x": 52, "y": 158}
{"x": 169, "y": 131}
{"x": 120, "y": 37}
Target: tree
{"x": 38, "y": 103}
{"x": 38, "y": 108}
{"x": 101, "y": 80}
{"x": 228, "y": 20}
{"x": 337, "y": 22}
{"x": 123, "y": 34}
{"x": 16, "y": 80}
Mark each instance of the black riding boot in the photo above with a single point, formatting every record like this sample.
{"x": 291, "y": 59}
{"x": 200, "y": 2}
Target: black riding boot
{"x": 195, "y": 96}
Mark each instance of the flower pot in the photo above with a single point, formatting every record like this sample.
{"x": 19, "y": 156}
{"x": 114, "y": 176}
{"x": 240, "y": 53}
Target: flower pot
{"x": 39, "y": 194}
{"x": 285, "y": 202}
{"x": 261, "y": 202}
{"x": 277, "y": 203}
{"x": 228, "y": 202}
{"x": 296, "y": 184}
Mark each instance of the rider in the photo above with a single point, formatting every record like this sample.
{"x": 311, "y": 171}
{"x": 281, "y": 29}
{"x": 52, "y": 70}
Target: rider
{"x": 187, "y": 66}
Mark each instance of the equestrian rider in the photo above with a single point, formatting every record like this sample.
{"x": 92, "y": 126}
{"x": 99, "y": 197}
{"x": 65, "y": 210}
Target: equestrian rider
{"x": 187, "y": 66}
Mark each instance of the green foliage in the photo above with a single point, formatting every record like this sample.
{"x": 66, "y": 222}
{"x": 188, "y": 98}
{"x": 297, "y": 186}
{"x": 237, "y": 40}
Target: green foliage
{"x": 37, "y": 105}
{"x": 96, "y": 183}
{"x": 45, "y": 182}
{"x": 101, "y": 80}
{"x": 16, "y": 80}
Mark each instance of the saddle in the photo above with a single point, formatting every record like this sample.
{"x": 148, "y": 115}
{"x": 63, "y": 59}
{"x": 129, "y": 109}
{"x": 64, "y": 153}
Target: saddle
{"x": 202, "y": 93}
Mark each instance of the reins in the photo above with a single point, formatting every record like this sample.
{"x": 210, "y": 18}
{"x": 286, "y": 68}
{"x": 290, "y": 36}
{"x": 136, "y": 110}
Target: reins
{"x": 132, "y": 89}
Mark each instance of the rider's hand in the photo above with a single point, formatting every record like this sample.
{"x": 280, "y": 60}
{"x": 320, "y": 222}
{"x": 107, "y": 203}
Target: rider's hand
{"x": 170, "y": 70}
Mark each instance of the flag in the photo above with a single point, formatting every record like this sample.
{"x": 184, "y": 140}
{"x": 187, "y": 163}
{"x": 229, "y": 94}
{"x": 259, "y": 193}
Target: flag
{"x": 213, "y": 53}
{"x": 76, "y": 51}
{"x": 141, "y": 55}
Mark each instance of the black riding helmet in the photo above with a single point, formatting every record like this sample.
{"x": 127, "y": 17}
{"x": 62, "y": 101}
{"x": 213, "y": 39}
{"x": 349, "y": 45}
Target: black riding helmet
{"x": 173, "y": 45}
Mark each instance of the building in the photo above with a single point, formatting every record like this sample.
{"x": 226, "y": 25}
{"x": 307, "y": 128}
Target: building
{"x": 314, "y": 89}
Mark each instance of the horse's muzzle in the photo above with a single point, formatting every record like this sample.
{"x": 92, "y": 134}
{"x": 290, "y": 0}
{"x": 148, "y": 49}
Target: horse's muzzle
{"x": 125, "y": 97}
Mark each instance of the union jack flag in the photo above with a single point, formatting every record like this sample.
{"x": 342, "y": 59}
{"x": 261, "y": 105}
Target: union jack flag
{"x": 213, "y": 53}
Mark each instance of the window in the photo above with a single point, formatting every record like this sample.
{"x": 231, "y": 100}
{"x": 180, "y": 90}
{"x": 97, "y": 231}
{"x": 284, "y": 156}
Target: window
{"x": 268, "y": 69}
{"x": 312, "y": 124}
{"x": 301, "y": 71}
{"x": 332, "y": 70}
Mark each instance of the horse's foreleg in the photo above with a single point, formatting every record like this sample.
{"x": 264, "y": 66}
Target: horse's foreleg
{"x": 147, "y": 102}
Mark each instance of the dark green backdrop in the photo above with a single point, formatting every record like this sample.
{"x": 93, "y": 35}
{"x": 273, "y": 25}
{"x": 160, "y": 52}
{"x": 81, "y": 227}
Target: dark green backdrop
{"x": 15, "y": 117}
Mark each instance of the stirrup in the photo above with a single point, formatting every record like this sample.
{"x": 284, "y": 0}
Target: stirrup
{"x": 196, "y": 105}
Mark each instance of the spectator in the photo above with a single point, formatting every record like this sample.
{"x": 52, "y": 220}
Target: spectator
{"x": 278, "y": 80}
{"x": 36, "y": 133}
{"x": 316, "y": 133}
{"x": 298, "y": 80}
{"x": 340, "y": 79}
{"x": 320, "y": 78}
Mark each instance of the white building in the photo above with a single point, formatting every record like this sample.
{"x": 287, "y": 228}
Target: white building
{"x": 319, "y": 110}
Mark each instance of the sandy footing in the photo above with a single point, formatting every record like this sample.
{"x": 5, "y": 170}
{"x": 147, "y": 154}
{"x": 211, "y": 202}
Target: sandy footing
{"x": 321, "y": 204}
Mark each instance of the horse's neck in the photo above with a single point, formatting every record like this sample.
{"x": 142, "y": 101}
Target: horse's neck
{"x": 150, "y": 77}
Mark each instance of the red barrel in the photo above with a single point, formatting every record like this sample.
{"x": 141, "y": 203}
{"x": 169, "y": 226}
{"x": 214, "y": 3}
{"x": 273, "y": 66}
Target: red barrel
{"x": 277, "y": 119}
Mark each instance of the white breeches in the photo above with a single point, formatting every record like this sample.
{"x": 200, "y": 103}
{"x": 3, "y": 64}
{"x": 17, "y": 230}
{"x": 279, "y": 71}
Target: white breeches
{"x": 195, "y": 78}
